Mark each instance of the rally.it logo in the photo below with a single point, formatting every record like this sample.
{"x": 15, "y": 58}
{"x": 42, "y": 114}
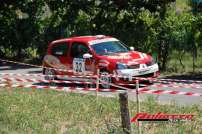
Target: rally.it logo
{"x": 161, "y": 117}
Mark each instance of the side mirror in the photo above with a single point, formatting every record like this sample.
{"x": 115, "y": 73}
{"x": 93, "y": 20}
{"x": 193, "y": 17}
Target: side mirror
{"x": 132, "y": 48}
{"x": 87, "y": 56}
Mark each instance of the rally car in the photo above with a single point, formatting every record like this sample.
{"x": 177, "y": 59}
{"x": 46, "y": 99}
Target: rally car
{"x": 84, "y": 55}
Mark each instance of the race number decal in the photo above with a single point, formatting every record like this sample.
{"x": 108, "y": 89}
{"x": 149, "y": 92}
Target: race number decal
{"x": 78, "y": 65}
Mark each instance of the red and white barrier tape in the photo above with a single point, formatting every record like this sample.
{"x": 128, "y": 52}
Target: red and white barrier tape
{"x": 176, "y": 80}
{"x": 185, "y": 84}
{"x": 65, "y": 70}
{"x": 59, "y": 88}
{"x": 32, "y": 65}
{"x": 92, "y": 75}
{"x": 149, "y": 91}
{"x": 44, "y": 81}
{"x": 168, "y": 85}
{"x": 85, "y": 82}
{"x": 180, "y": 83}
{"x": 56, "y": 81}
{"x": 176, "y": 86}
{"x": 141, "y": 90}
{"x": 70, "y": 89}
{"x": 158, "y": 79}
{"x": 42, "y": 75}
{"x": 126, "y": 84}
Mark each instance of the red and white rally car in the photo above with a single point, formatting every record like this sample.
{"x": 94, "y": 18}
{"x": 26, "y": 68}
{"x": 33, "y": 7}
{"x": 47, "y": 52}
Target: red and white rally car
{"x": 85, "y": 54}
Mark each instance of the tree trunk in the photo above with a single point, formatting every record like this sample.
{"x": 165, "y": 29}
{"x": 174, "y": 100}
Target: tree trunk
{"x": 180, "y": 59}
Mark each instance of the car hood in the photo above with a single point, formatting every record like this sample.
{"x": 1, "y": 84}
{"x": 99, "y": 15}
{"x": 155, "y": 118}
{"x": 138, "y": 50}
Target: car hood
{"x": 132, "y": 57}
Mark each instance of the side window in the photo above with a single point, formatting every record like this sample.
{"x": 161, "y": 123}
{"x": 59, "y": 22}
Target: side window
{"x": 60, "y": 49}
{"x": 78, "y": 49}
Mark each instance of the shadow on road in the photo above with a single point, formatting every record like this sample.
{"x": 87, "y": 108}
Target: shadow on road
{"x": 189, "y": 76}
{"x": 35, "y": 72}
{"x": 13, "y": 66}
{"x": 60, "y": 85}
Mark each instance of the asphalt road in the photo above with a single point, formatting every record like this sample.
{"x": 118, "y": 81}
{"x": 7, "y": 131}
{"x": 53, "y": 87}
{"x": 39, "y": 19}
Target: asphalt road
{"x": 180, "y": 100}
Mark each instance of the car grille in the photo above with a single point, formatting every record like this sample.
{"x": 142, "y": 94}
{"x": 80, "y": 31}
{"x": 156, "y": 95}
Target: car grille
{"x": 146, "y": 75}
{"x": 141, "y": 76}
{"x": 137, "y": 66}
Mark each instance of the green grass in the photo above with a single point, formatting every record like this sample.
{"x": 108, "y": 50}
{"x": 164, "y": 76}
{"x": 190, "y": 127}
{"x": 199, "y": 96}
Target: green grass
{"x": 45, "y": 111}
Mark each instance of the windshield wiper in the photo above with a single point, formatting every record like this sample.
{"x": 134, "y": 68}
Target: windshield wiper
{"x": 122, "y": 51}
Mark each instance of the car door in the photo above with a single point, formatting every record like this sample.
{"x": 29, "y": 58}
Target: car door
{"x": 79, "y": 64}
{"x": 59, "y": 51}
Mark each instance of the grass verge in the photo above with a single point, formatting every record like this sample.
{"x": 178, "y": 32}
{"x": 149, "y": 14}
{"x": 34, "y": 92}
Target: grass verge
{"x": 45, "y": 111}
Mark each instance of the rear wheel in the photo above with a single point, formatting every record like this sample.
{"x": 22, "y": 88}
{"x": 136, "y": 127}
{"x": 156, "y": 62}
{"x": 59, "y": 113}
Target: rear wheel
{"x": 50, "y": 75}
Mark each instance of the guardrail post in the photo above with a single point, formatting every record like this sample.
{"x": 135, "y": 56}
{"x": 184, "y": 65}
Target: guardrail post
{"x": 125, "y": 115}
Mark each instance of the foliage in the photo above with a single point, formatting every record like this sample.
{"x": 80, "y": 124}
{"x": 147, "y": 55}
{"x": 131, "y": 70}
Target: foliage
{"x": 150, "y": 26}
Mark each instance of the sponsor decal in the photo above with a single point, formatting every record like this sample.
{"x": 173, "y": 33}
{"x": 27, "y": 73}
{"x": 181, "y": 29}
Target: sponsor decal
{"x": 102, "y": 40}
{"x": 161, "y": 117}
{"x": 54, "y": 62}
{"x": 132, "y": 63}
{"x": 127, "y": 56}
{"x": 120, "y": 57}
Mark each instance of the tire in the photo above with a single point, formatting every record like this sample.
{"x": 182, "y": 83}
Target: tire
{"x": 50, "y": 75}
{"x": 104, "y": 76}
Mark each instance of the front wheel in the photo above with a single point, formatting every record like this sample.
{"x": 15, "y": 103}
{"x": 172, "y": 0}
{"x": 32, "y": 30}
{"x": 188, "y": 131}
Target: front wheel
{"x": 106, "y": 80}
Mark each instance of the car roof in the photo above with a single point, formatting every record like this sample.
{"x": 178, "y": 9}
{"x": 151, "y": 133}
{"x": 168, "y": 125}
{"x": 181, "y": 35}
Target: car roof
{"x": 81, "y": 38}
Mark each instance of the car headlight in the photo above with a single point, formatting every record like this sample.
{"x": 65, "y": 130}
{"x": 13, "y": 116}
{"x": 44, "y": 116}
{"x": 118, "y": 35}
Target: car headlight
{"x": 151, "y": 62}
{"x": 121, "y": 66}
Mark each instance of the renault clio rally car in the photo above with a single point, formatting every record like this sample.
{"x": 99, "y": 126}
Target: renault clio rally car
{"x": 84, "y": 55}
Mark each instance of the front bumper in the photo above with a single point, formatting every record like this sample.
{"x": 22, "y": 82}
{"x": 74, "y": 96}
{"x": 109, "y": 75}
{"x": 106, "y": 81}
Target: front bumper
{"x": 144, "y": 71}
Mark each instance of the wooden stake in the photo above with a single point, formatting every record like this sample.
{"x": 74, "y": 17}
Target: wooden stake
{"x": 138, "y": 105}
{"x": 97, "y": 81}
{"x": 125, "y": 116}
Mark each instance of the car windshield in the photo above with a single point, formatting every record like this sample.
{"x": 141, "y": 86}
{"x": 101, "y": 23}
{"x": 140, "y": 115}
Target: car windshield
{"x": 110, "y": 47}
